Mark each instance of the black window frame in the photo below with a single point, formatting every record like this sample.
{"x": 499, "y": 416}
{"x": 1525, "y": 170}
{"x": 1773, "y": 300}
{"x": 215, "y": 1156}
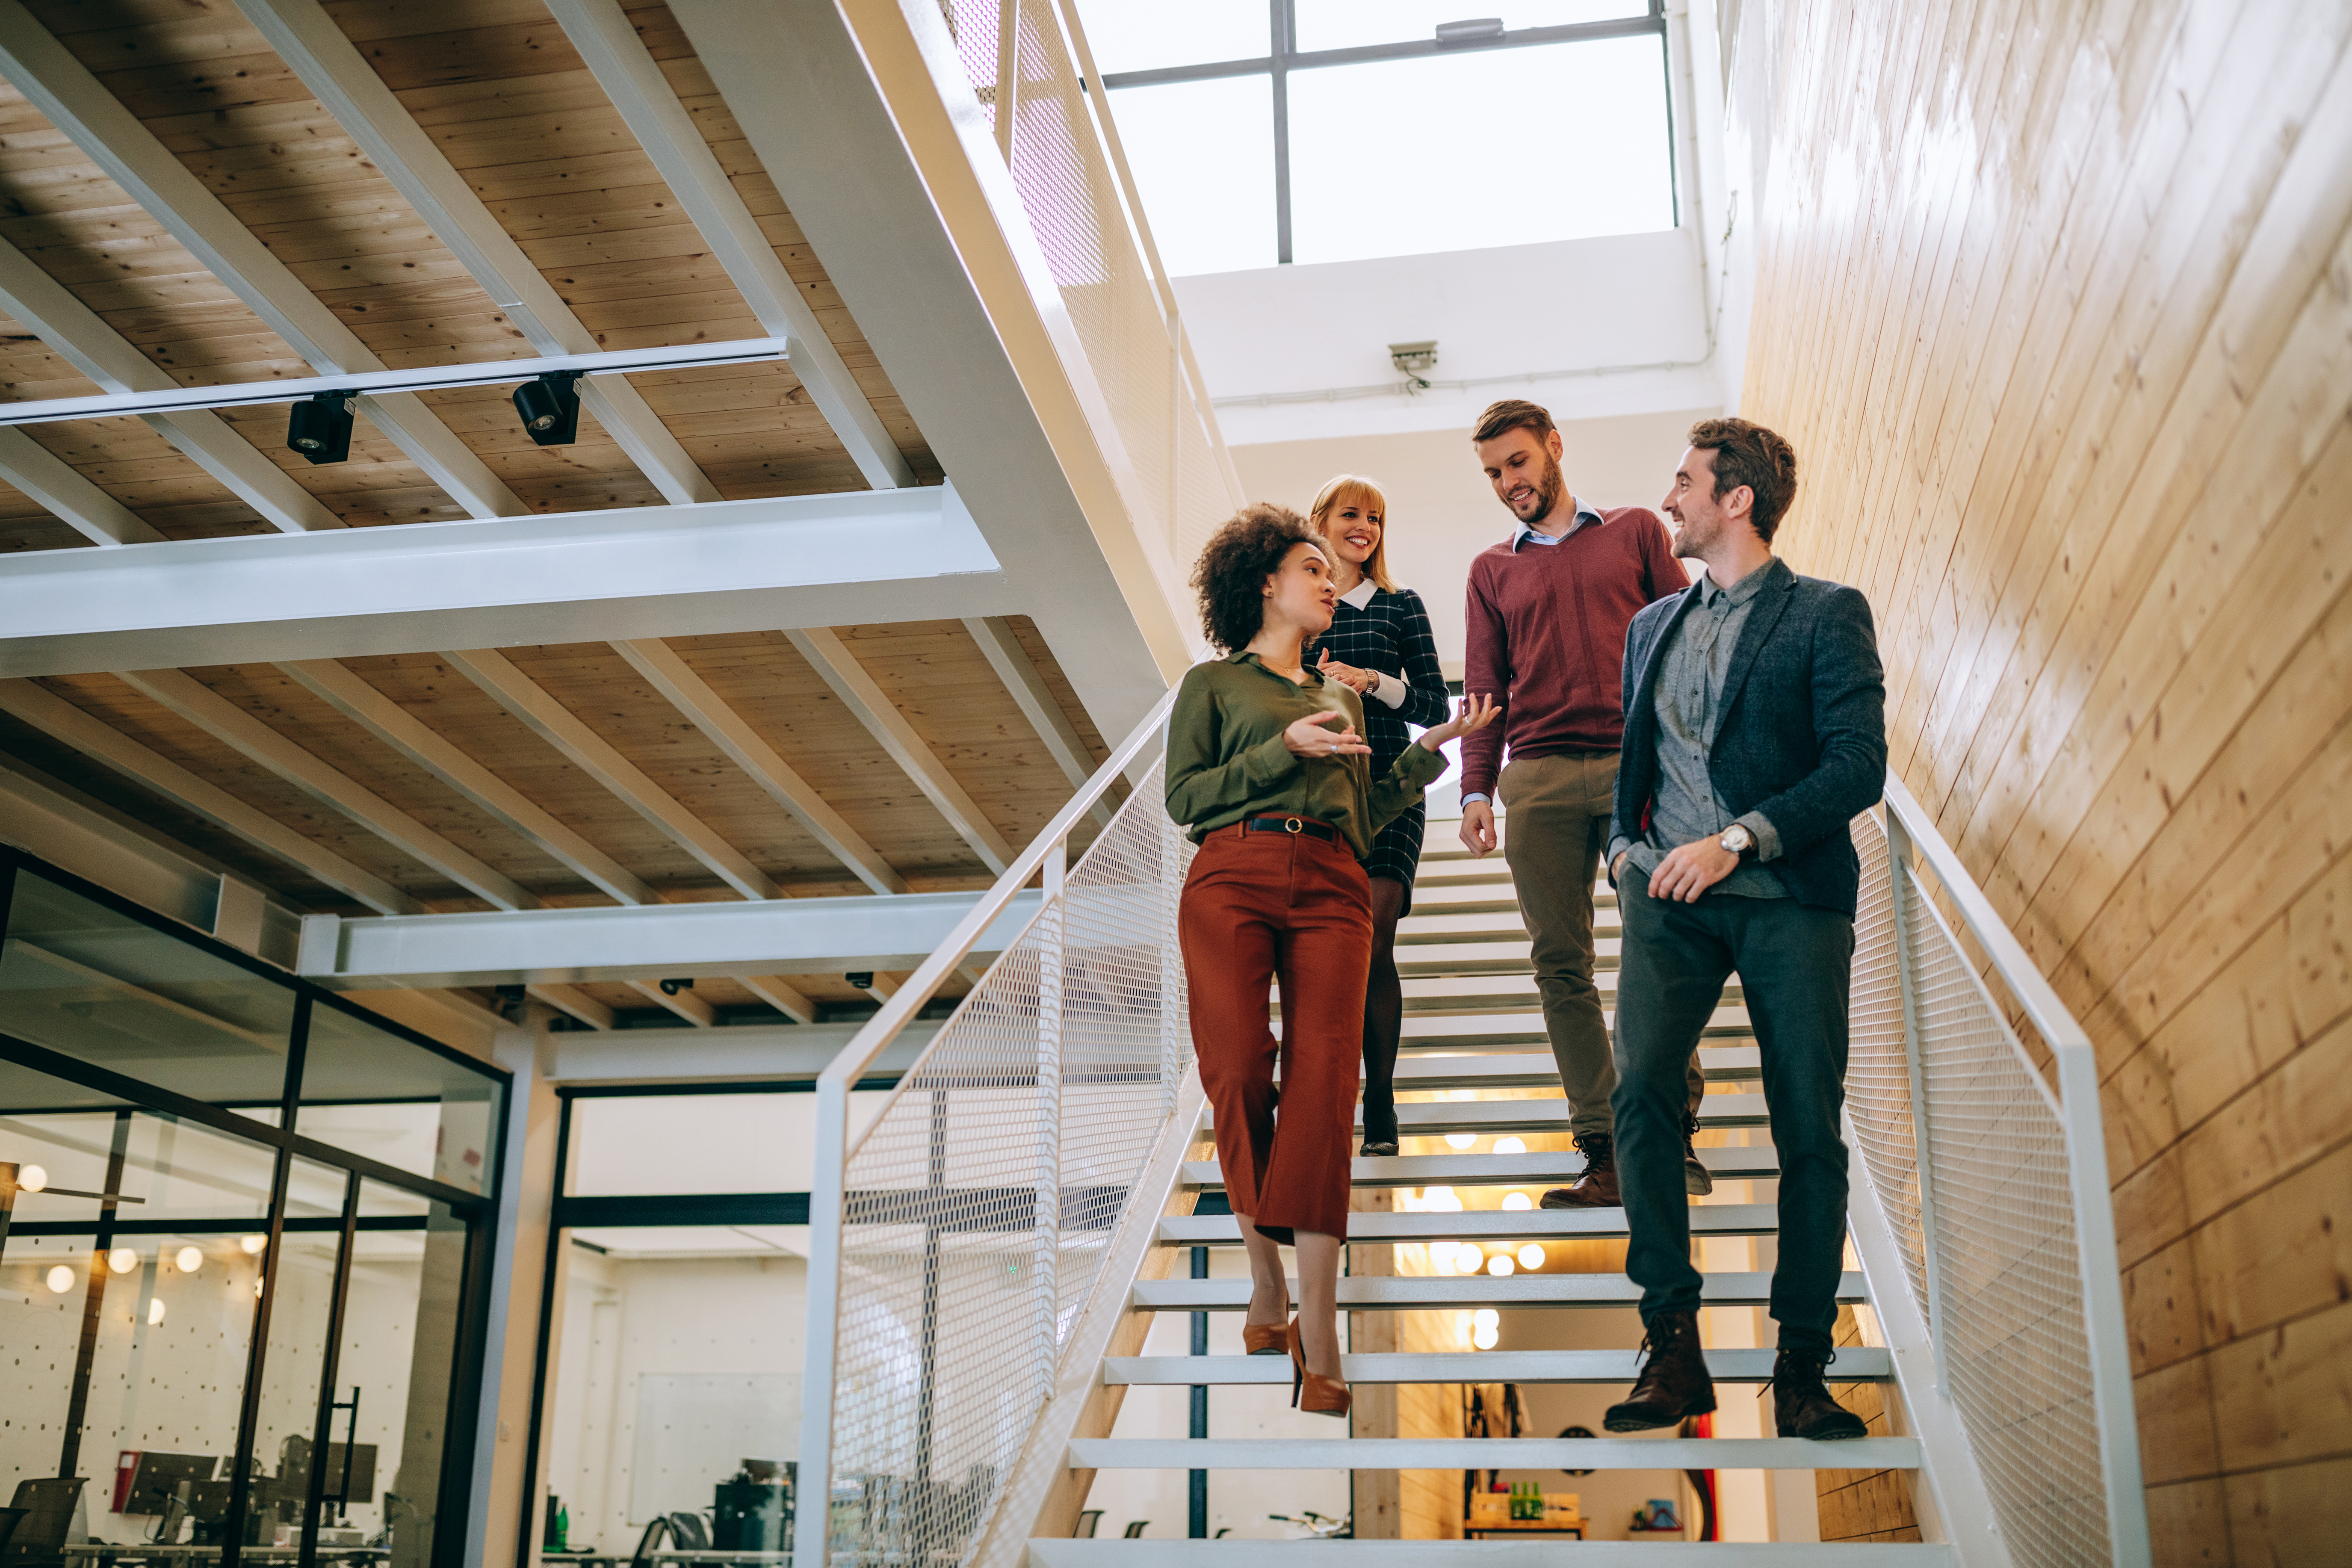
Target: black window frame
{"x": 477, "y": 1211}
{"x": 1285, "y": 57}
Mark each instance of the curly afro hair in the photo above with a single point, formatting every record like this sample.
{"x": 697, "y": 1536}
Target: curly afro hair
{"x": 1232, "y": 570}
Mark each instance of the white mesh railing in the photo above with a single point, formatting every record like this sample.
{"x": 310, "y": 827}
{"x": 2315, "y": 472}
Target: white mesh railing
{"x": 2004, "y": 1227}
{"x": 1030, "y": 56}
{"x": 955, "y": 1240}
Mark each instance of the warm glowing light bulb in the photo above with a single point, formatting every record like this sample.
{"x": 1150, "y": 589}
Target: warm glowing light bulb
{"x": 1485, "y": 1338}
{"x": 1510, "y": 1145}
{"x": 188, "y": 1259}
{"x": 1499, "y": 1265}
{"x": 1517, "y": 1202}
{"x": 253, "y": 1244}
{"x": 1484, "y": 1317}
{"x": 1441, "y": 1255}
{"x": 121, "y": 1260}
{"x": 32, "y": 1178}
{"x": 1531, "y": 1256}
{"x": 59, "y": 1278}
{"x": 1460, "y": 1140}
{"x": 155, "y": 1310}
{"x": 1445, "y": 1200}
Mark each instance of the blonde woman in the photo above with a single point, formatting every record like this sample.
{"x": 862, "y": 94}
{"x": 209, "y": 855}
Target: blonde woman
{"x": 1379, "y": 647}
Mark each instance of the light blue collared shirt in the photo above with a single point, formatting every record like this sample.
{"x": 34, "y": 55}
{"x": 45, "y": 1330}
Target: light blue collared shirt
{"x": 1528, "y": 535}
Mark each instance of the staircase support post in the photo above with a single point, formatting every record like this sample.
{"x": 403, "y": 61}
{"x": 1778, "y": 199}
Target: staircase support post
{"x": 1052, "y": 924}
{"x": 1899, "y": 885}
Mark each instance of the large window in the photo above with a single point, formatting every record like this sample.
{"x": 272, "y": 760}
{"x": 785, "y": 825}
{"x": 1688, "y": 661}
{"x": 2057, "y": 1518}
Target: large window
{"x": 242, "y": 1229}
{"x": 1263, "y": 132}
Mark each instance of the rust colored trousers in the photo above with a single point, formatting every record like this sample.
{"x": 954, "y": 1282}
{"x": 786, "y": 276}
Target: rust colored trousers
{"x": 1258, "y": 906}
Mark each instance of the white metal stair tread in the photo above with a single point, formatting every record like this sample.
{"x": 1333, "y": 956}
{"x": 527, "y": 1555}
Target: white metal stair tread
{"x": 1536, "y": 1068}
{"x": 1404, "y": 1292}
{"x": 1484, "y": 1225}
{"x": 1854, "y": 1365}
{"x": 1539, "y": 1553}
{"x": 1421, "y": 1119}
{"x": 1527, "y": 1026}
{"x": 1500, "y": 1170}
{"x": 1492, "y": 1453}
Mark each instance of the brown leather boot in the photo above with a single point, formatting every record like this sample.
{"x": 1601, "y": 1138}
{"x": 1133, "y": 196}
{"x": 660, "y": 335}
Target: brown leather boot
{"x": 1597, "y": 1188}
{"x": 1674, "y": 1384}
{"x": 1801, "y": 1406}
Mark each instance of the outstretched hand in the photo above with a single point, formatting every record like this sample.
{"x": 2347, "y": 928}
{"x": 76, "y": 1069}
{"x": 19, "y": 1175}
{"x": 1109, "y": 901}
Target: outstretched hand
{"x": 1313, "y": 737}
{"x": 1476, "y": 714}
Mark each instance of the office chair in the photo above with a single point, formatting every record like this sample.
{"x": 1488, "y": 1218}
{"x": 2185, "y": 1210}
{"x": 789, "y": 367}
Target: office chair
{"x": 47, "y": 1508}
{"x": 1086, "y": 1522}
{"x": 8, "y": 1517}
{"x": 1135, "y": 1528}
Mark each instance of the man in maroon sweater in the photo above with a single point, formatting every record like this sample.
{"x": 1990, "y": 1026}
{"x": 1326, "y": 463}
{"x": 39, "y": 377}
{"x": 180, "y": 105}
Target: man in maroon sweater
{"x": 1547, "y": 617}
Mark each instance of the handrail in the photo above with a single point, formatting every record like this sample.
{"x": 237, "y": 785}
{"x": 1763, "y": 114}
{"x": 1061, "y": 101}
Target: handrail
{"x": 2075, "y": 1107}
{"x": 828, "y": 1187}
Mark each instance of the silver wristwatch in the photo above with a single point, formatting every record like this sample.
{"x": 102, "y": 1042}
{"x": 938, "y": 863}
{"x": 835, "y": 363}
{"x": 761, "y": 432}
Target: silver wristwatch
{"x": 1737, "y": 839}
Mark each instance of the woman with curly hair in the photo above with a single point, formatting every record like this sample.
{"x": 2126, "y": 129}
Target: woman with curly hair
{"x": 1379, "y": 647}
{"x": 1268, "y": 770}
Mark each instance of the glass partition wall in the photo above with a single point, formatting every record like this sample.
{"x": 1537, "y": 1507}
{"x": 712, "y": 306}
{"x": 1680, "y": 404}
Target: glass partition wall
{"x": 243, "y": 1237}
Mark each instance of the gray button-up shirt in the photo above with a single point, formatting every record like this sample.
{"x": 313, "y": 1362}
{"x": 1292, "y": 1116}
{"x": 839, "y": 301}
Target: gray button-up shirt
{"x": 1688, "y": 702}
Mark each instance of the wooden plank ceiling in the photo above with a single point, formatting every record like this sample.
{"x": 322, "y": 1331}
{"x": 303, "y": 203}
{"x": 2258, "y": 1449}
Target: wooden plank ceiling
{"x": 510, "y": 104}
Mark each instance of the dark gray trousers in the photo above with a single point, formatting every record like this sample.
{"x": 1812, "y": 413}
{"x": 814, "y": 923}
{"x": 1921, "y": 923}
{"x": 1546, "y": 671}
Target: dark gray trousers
{"x": 1795, "y": 965}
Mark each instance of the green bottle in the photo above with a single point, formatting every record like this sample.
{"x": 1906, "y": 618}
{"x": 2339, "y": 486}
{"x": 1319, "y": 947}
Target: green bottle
{"x": 562, "y": 1528}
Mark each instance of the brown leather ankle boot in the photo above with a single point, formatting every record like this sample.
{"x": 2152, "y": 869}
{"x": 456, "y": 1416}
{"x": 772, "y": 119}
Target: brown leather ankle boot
{"x": 1673, "y": 1383}
{"x": 1697, "y": 1180}
{"x": 1801, "y": 1406}
{"x": 1597, "y": 1188}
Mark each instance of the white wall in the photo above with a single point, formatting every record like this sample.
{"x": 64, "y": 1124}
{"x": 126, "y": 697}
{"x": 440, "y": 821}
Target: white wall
{"x": 1580, "y": 326}
{"x": 1442, "y": 511}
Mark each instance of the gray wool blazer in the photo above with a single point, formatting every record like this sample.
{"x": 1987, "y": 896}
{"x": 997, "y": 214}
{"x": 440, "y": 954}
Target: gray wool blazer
{"x": 1802, "y": 733}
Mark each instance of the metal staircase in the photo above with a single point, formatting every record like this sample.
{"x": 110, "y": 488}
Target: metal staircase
{"x": 1472, "y": 1025}
{"x": 991, "y": 1244}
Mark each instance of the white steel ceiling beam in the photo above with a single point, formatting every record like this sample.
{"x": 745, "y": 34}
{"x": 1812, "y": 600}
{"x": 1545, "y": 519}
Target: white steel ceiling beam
{"x": 866, "y": 558}
{"x": 64, "y": 494}
{"x": 648, "y": 942}
{"x": 173, "y": 398}
{"x": 1002, "y": 647}
{"x": 592, "y": 754}
{"x": 746, "y": 1053}
{"x": 890, "y": 198}
{"x": 96, "y": 739}
{"x": 608, "y": 40}
{"x": 396, "y": 727}
{"x": 83, "y": 340}
{"x": 307, "y": 39}
{"x": 236, "y": 727}
{"x": 839, "y": 668}
{"x": 79, "y": 105}
{"x": 691, "y": 695}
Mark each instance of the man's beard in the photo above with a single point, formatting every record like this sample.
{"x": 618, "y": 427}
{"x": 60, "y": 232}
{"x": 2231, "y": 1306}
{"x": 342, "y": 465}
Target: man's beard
{"x": 1551, "y": 491}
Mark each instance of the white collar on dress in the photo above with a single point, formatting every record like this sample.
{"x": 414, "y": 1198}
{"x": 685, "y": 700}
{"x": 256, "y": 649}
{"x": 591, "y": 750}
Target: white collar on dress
{"x": 1361, "y": 593}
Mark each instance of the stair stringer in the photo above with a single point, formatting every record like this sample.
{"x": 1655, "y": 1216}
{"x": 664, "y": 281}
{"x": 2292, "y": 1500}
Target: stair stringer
{"x": 1042, "y": 1495}
{"x": 1953, "y": 1504}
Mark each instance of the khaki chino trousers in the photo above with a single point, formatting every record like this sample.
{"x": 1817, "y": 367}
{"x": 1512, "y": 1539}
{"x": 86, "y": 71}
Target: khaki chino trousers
{"x": 1556, "y": 826}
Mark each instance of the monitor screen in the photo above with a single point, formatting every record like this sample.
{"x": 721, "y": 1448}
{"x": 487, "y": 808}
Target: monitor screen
{"x": 160, "y": 1474}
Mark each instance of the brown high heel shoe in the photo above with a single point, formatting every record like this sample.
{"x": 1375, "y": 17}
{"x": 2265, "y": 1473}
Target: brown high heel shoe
{"x": 1262, "y": 1338}
{"x": 1311, "y": 1390}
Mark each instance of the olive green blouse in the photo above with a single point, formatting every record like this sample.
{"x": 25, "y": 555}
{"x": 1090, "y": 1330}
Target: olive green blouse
{"x": 1226, "y": 760}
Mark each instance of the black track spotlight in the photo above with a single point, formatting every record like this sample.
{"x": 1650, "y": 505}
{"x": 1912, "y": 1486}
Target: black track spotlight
{"x": 550, "y": 407}
{"x": 320, "y": 428}
{"x": 672, "y": 987}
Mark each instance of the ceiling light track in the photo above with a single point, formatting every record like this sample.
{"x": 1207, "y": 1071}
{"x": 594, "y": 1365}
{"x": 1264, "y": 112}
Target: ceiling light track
{"x": 424, "y": 378}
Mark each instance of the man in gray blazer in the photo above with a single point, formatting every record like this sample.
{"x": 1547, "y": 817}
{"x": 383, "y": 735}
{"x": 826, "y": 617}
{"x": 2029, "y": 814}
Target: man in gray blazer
{"x": 1754, "y": 731}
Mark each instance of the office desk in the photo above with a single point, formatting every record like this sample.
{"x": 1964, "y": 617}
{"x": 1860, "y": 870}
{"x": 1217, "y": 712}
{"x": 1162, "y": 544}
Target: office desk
{"x": 106, "y": 1557}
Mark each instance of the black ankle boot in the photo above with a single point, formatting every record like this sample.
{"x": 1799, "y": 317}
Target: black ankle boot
{"x": 1674, "y": 1384}
{"x": 1801, "y": 1406}
{"x": 1379, "y": 1122}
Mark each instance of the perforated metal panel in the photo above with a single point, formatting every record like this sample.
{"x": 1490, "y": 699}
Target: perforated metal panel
{"x": 980, "y": 1203}
{"x": 1987, "y": 1198}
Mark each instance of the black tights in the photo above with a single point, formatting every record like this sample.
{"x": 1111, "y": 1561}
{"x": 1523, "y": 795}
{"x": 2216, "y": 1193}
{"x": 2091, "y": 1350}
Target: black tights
{"x": 1383, "y": 1014}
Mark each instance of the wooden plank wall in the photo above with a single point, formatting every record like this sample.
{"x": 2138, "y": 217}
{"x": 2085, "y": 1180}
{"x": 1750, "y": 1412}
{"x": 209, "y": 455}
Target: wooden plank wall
{"x": 2054, "y": 300}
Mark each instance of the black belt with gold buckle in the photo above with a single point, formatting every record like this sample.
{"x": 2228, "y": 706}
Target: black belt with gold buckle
{"x": 1307, "y": 824}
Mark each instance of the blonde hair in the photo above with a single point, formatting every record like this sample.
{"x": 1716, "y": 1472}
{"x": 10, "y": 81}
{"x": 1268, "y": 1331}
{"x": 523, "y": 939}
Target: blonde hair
{"x": 1344, "y": 488}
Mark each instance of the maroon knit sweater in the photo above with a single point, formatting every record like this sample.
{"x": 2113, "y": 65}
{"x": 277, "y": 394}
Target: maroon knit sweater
{"x": 1547, "y": 634}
